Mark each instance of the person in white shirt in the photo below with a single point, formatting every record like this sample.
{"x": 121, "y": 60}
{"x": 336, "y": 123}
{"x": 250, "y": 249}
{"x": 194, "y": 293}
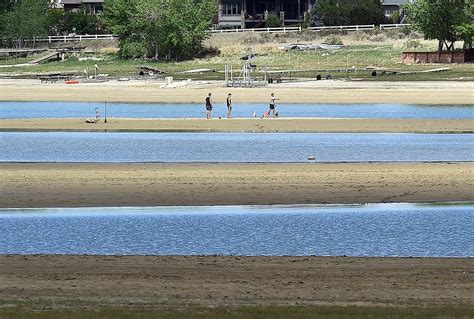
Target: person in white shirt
{"x": 273, "y": 98}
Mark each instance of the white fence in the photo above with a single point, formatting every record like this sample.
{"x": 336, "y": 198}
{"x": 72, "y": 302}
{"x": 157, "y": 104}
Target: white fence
{"x": 393, "y": 26}
{"x": 77, "y": 37}
{"x": 349, "y": 28}
{"x": 266, "y": 30}
{"x": 363, "y": 27}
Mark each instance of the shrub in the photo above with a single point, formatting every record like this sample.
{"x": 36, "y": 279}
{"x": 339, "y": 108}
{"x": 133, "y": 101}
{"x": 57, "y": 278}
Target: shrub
{"x": 334, "y": 40}
{"x": 273, "y": 21}
{"x": 360, "y": 36}
{"x": 415, "y": 35}
{"x": 378, "y": 38}
{"x": 412, "y": 44}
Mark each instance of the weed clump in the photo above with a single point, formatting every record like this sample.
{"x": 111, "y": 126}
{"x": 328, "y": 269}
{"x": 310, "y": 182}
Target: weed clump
{"x": 334, "y": 40}
{"x": 412, "y": 44}
{"x": 378, "y": 38}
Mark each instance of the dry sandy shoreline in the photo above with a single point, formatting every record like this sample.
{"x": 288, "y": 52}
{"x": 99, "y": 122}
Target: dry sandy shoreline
{"x": 145, "y": 282}
{"x": 154, "y": 184}
{"x": 334, "y": 91}
{"x": 247, "y": 125}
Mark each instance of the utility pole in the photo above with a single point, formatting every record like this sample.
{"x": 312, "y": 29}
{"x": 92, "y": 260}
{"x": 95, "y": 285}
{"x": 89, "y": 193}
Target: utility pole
{"x": 299, "y": 11}
{"x": 105, "y": 112}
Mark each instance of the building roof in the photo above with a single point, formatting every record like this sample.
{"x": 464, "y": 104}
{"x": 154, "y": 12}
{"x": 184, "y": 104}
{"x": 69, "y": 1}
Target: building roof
{"x": 394, "y": 2}
{"x": 80, "y": 1}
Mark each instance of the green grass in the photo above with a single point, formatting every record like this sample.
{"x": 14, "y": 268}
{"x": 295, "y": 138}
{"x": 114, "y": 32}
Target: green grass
{"x": 254, "y": 312}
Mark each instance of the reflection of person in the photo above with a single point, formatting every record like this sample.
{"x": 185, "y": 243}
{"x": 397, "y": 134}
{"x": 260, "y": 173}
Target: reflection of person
{"x": 208, "y": 106}
{"x": 229, "y": 106}
{"x": 272, "y": 104}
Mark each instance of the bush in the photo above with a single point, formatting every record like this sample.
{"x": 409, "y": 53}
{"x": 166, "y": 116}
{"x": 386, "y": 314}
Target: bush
{"x": 378, "y": 38}
{"x": 395, "y": 34}
{"x": 395, "y": 17}
{"x": 416, "y": 35}
{"x": 360, "y": 36}
{"x": 412, "y": 44}
{"x": 334, "y": 40}
{"x": 273, "y": 21}
{"x": 406, "y": 30}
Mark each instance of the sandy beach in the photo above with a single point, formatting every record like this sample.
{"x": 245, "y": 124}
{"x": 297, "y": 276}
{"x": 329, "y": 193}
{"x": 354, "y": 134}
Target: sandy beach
{"x": 246, "y": 125}
{"x": 39, "y": 282}
{"x": 148, "y": 184}
{"x": 333, "y": 91}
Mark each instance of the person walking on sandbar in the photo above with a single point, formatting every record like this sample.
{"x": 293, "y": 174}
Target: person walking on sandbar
{"x": 273, "y": 98}
{"x": 208, "y": 106}
{"x": 229, "y": 106}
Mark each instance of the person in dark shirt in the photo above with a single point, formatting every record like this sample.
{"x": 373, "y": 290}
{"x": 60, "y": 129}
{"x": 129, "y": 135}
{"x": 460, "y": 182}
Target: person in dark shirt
{"x": 208, "y": 106}
{"x": 229, "y": 106}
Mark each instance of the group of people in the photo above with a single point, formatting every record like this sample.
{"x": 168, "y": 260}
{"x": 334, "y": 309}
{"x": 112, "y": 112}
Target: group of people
{"x": 210, "y": 104}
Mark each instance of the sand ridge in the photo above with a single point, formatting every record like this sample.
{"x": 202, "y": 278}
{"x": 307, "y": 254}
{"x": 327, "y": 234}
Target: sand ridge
{"x": 154, "y": 184}
{"x": 160, "y": 281}
{"x": 334, "y": 91}
{"x": 321, "y": 125}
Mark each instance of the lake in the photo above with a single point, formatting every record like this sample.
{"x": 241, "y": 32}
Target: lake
{"x": 232, "y": 147}
{"x": 330, "y": 230}
{"x": 14, "y": 110}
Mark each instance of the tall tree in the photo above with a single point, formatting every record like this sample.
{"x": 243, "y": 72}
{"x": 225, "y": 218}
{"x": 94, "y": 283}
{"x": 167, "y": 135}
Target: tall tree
{"x": 444, "y": 20}
{"x": 171, "y": 29}
{"x": 26, "y": 20}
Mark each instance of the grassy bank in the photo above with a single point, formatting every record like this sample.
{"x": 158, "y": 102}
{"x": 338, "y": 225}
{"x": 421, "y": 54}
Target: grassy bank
{"x": 383, "y": 51}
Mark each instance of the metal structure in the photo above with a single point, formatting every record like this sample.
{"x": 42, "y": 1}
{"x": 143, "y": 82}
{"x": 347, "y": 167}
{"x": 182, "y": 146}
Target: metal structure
{"x": 248, "y": 74}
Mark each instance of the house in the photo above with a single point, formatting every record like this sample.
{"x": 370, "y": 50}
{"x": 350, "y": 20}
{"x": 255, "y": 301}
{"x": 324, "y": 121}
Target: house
{"x": 252, "y": 13}
{"x": 92, "y": 6}
{"x": 56, "y": 4}
{"x": 392, "y": 6}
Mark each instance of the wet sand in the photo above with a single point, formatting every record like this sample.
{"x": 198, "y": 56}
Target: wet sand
{"x": 247, "y": 125}
{"x": 147, "y": 282}
{"x": 333, "y": 91}
{"x": 153, "y": 184}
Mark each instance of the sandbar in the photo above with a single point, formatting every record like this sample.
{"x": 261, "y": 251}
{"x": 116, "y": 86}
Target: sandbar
{"x": 150, "y": 282}
{"x": 154, "y": 184}
{"x": 266, "y": 125}
{"x": 155, "y": 91}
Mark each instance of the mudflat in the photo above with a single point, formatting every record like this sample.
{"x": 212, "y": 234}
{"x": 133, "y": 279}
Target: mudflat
{"x": 333, "y": 91}
{"x": 64, "y": 282}
{"x": 322, "y": 125}
{"x": 153, "y": 184}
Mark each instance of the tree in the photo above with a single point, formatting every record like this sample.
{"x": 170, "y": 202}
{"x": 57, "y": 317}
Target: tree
{"x": 347, "y": 12}
{"x": 272, "y": 21}
{"x": 444, "y": 20}
{"x": 26, "y": 20}
{"x": 79, "y": 21}
{"x": 159, "y": 28}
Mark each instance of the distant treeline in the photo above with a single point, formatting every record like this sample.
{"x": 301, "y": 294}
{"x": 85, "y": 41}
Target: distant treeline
{"x": 28, "y": 19}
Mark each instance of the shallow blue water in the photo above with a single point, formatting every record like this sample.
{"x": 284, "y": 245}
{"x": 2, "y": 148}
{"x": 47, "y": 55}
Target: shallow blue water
{"x": 10, "y": 110}
{"x": 232, "y": 147}
{"x": 367, "y": 230}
